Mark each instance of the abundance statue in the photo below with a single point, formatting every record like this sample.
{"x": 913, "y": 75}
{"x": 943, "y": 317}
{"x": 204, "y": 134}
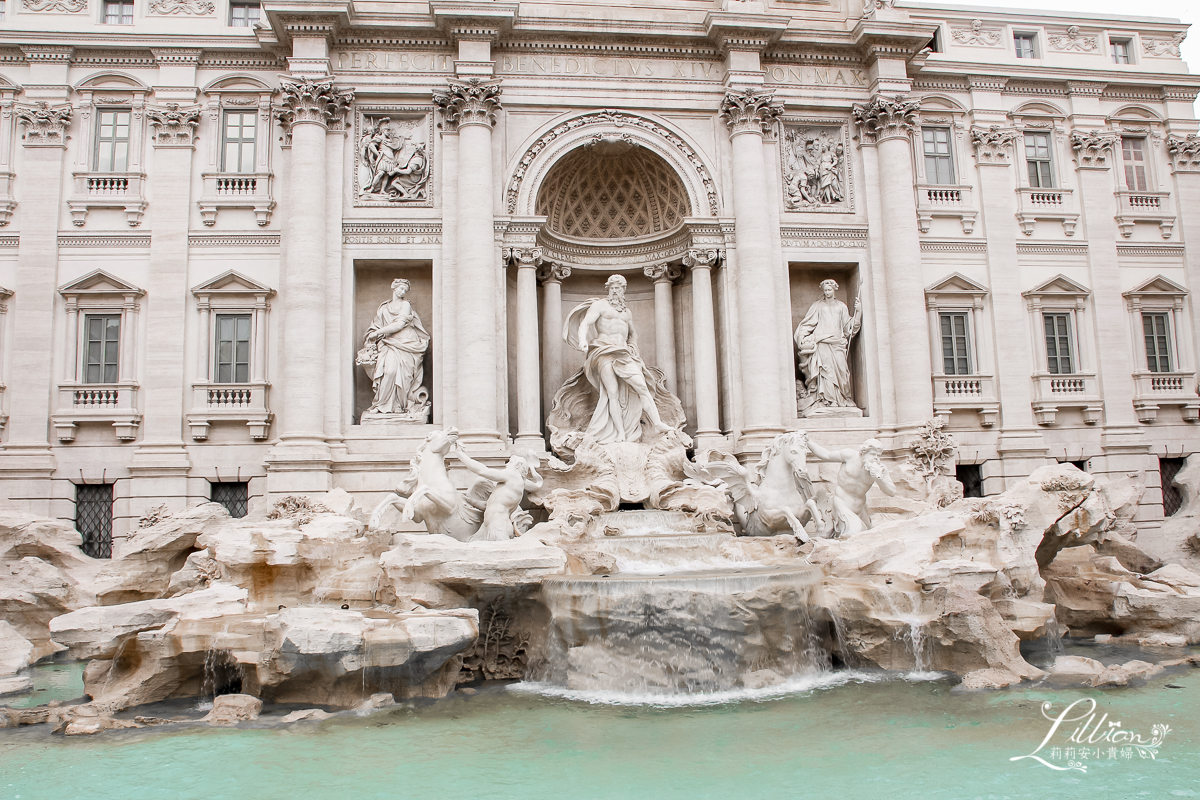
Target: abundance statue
{"x": 503, "y": 516}
{"x": 395, "y": 166}
{"x": 823, "y": 341}
{"x": 614, "y": 389}
{"x": 394, "y": 355}
{"x": 776, "y": 496}
{"x": 861, "y": 469}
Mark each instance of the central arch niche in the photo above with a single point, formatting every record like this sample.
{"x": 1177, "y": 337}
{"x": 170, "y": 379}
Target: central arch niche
{"x": 612, "y": 190}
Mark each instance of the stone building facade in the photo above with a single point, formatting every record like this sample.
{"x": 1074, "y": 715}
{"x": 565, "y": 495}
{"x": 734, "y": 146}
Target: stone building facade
{"x": 204, "y": 203}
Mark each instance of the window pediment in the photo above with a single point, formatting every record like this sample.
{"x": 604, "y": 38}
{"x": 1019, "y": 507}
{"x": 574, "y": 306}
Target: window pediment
{"x": 99, "y": 285}
{"x": 1059, "y": 287}
{"x": 232, "y": 284}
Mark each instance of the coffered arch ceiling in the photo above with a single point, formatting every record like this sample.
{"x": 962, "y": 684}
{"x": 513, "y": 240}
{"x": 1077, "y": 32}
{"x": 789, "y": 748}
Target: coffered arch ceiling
{"x": 612, "y": 190}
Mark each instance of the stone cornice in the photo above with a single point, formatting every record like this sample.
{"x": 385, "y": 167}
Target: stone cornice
{"x": 731, "y": 30}
{"x": 885, "y": 118}
{"x": 750, "y": 111}
{"x": 470, "y": 102}
{"x": 48, "y": 53}
{"x": 188, "y": 56}
{"x": 471, "y": 20}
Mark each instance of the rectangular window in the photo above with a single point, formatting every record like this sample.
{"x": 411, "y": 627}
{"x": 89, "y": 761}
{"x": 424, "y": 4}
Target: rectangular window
{"x": 1058, "y": 344}
{"x": 1158, "y": 341}
{"x": 1133, "y": 155}
{"x": 112, "y": 140}
{"x": 233, "y": 348}
{"x": 1120, "y": 51}
{"x": 93, "y": 518}
{"x": 1172, "y": 498}
{"x": 1025, "y": 44}
{"x": 243, "y": 15}
{"x": 238, "y": 141}
{"x": 101, "y": 348}
{"x": 971, "y": 477}
{"x": 939, "y": 166}
{"x": 1037, "y": 158}
{"x": 956, "y": 344}
{"x": 118, "y": 12}
{"x": 234, "y": 495}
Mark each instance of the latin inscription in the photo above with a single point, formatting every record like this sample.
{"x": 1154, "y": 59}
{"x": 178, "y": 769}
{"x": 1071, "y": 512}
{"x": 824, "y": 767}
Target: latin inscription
{"x": 614, "y": 67}
{"x": 392, "y": 61}
{"x": 815, "y": 76}
{"x": 390, "y": 239}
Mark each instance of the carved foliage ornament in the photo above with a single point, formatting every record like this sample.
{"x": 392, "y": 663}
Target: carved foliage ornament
{"x": 195, "y": 7}
{"x": 701, "y": 258}
{"x": 1185, "y": 152}
{"x": 976, "y": 35}
{"x": 45, "y": 125}
{"x": 62, "y": 6}
{"x": 472, "y": 102}
{"x": 174, "y": 126}
{"x": 312, "y": 100}
{"x": 393, "y": 159}
{"x": 523, "y": 257}
{"x": 992, "y": 145}
{"x": 1072, "y": 41}
{"x": 884, "y": 118}
{"x": 1092, "y": 148}
{"x": 749, "y": 111}
{"x": 1163, "y": 47}
{"x": 814, "y": 168}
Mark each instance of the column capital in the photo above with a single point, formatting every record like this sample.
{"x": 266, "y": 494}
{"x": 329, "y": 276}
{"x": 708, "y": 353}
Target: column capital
{"x": 523, "y": 257}
{"x": 549, "y": 272}
{"x": 885, "y": 118}
{"x": 993, "y": 145}
{"x": 662, "y": 272}
{"x": 702, "y": 259}
{"x": 1092, "y": 148}
{"x": 312, "y": 100}
{"x": 173, "y": 125}
{"x": 45, "y": 125}
{"x": 750, "y": 111}
{"x": 1184, "y": 152}
{"x": 470, "y": 102}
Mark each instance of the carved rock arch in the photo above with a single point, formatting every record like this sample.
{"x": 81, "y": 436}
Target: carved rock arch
{"x": 581, "y": 128}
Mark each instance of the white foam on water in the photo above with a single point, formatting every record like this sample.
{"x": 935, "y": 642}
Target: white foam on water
{"x": 795, "y": 685}
{"x": 921, "y": 675}
{"x": 631, "y": 566}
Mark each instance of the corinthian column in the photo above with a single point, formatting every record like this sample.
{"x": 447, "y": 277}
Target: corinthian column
{"x": 664, "y": 276}
{"x": 748, "y": 113}
{"x": 529, "y": 418}
{"x": 552, "y": 276}
{"x": 704, "y": 343}
{"x": 887, "y": 124}
{"x": 309, "y": 105}
{"x": 471, "y": 106}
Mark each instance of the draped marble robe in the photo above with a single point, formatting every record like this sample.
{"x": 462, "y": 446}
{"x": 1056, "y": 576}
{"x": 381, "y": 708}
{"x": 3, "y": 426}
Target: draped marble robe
{"x": 400, "y": 364}
{"x": 823, "y": 341}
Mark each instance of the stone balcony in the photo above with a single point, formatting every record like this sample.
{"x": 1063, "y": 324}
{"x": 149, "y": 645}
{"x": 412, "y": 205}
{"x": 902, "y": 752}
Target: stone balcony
{"x": 935, "y": 200}
{"x": 1152, "y": 390}
{"x": 1079, "y": 390}
{"x": 966, "y": 393}
{"x": 237, "y": 190}
{"x": 1047, "y": 204}
{"x": 1134, "y": 207}
{"x": 229, "y": 402}
{"x": 115, "y": 403}
{"x": 126, "y": 190}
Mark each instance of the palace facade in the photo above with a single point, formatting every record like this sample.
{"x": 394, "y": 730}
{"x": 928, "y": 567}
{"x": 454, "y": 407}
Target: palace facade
{"x": 204, "y": 204}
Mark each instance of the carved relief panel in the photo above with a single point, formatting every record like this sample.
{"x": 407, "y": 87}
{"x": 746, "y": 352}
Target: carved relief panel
{"x": 393, "y": 156}
{"x": 814, "y": 155}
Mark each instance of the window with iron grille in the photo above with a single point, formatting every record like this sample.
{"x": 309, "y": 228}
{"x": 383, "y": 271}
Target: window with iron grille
{"x": 118, "y": 12}
{"x": 244, "y": 15}
{"x": 238, "y": 141}
{"x": 1058, "y": 344}
{"x": 234, "y": 495}
{"x": 93, "y": 518}
{"x": 1158, "y": 341}
{"x": 1133, "y": 156}
{"x": 971, "y": 477}
{"x": 1025, "y": 44}
{"x": 956, "y": 343}
{"x": 1168, "y": 468}
{"x": 233, "y": 348}
{"x": 939, "y": 166}
{"x": 112, "y": 140}
{"x": 1038, "y": 160}
{"x": 101, "y": 348}
{"x": 1120, "y": 51}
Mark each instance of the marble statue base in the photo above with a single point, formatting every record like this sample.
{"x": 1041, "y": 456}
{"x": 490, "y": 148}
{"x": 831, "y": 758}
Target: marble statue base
{"x": 418, "y": 416}
{"x": 832, "y": 411}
